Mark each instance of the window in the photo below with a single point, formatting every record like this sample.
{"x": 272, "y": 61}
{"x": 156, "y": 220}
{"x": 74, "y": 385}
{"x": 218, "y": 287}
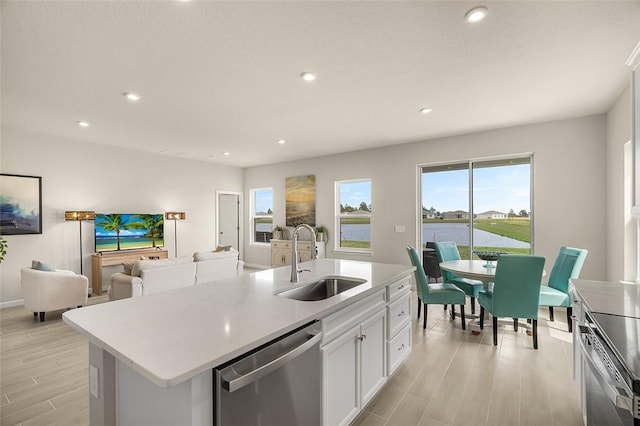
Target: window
{"x": 480, "y": 205}
{"x": 353, "y": 215}
{"x": 261, "y": 215}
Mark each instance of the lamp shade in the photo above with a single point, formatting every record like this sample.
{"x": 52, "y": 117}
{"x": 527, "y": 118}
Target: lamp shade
{"x": 79, "y": 215}
{"x": 175, "y": 215}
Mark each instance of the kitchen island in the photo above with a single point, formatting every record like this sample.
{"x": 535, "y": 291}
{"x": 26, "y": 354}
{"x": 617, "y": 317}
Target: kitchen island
{"x": 153, "y": 355}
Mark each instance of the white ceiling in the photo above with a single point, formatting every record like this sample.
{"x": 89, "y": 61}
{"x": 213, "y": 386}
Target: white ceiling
{"x": 224, "y": 76}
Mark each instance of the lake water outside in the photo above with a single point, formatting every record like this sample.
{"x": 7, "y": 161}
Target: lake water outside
{"x": 459, "y": 232}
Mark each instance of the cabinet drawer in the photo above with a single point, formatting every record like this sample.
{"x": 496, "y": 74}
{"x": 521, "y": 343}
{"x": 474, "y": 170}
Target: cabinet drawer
{"x": 281, "y": 244}
{"x": 399, "y": 314}
{"x": 337, "y": 323}
{"x": 398, "y": 349}
{"x": 399, "y": 287}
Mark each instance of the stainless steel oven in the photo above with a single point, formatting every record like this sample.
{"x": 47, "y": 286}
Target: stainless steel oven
{"x": 610, "y": 384}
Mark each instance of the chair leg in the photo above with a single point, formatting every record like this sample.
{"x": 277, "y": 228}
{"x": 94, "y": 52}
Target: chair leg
{"x": 473, "y": 306}
{"x": 481, "y": 317}
{"x": 515, "y": 324}
{"x": 495, "y": 330}
{"x": 453, "y": 312}
{"x": 41, "y": 316}
{"x": 535, "y": 334}
{"x": 551, "y": 313}
{"x": 419, "y": 307}
{"x": 424, "y": 325}
{"x": 462, "y": 317}
{"x": 569, "y": 320}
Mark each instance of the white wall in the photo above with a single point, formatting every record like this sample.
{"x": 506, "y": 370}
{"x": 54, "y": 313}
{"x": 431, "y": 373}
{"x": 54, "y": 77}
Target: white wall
{"x": 569, "y": 187}
{"x": 621, "y": 226}
{"x": 81, "y": 176}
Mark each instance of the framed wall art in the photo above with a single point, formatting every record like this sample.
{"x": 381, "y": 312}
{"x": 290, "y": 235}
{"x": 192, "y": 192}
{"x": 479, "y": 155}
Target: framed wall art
{"x": 20, "y": 204}
{"x": 301, "y": 200}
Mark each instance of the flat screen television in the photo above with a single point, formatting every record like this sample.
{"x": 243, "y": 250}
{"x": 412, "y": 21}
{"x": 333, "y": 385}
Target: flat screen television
{"x": 120, "y": 231}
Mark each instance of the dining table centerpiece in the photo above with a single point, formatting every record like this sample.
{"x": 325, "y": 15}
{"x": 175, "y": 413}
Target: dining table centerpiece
{"x": 488, "y": 256}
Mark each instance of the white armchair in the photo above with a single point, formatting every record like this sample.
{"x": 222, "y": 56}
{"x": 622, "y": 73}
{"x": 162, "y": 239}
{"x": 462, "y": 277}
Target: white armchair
{"x": 45, "y": 291}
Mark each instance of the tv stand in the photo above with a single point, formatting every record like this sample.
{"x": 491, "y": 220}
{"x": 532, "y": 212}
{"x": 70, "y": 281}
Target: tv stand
{"x": 111, "y": 258}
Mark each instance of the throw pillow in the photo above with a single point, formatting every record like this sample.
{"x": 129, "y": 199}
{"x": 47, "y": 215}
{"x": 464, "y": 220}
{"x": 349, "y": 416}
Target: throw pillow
{"x": 40, "y": 266}
{"x": 127, "y": 268}
{"x": 222, "y": 248}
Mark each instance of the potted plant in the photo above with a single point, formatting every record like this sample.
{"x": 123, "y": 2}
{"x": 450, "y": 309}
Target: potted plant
{"x": 3, "y": 248}
{"x": 278, "y": 232}
{"x": 321, "y": 234}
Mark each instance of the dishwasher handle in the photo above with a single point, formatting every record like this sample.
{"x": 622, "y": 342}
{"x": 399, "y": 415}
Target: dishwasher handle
{"x": 232, "y": 381}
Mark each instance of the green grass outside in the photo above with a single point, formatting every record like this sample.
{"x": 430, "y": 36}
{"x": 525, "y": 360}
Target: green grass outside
{"x": 355, "y": 244}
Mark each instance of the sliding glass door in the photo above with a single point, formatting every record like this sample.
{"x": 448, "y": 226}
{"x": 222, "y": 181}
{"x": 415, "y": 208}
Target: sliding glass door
{"x": 480, "y": 205}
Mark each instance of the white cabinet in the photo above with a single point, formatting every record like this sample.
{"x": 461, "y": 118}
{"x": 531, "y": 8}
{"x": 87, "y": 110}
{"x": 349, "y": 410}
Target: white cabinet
{"x": 353, "y": 358}
{"x": 281, "y": 251}
{"x": 398, "y": 323}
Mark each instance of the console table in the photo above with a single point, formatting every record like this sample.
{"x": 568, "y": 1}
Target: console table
{"x": 99, "y": 260}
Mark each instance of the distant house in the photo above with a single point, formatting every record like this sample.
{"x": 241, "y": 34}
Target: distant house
{"x": 429, "y": 214}
{"x": 456, "y": 214}
{"x": 492, "y": 214}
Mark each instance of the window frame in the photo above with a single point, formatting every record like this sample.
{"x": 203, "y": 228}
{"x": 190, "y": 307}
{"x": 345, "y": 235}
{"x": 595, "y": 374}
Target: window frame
{"x": 339, "y": 215}
{"x": 470, "y": 165}
{"x": 254, "y": 216}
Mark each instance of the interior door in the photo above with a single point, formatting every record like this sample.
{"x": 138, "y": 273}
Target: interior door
{"x": 229, "y": 219}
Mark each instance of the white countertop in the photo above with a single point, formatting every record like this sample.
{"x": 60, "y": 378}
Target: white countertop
{"x": 173, "y": 336}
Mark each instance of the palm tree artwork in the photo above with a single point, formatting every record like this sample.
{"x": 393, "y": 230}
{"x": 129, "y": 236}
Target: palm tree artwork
{"x": 153, "y": 223}
{"x": 113, "y": 222}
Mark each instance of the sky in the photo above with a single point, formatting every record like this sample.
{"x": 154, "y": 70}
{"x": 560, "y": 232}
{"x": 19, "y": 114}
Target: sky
{"x": 495, "y": 188}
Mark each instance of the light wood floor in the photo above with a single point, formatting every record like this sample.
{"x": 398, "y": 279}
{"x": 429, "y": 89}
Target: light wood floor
{"x": 451, "y": 378}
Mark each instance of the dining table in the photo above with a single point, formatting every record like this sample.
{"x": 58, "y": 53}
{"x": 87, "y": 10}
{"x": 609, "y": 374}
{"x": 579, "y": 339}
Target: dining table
{"x": 471, "y": 269}
{"x": 480, "y": 270}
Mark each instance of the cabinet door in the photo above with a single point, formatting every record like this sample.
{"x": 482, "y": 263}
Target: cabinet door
{"x": 339, "y": 390}
{"x": 305, "y": 255}
{"x": 280, "y": 257}
{"x": 372, "y": 356}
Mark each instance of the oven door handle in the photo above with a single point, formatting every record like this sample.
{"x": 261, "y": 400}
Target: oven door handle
{"x": 608, "y": 387}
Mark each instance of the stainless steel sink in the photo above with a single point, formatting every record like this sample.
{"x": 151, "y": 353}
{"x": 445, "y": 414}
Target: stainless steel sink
{"x": 322, "y": 289}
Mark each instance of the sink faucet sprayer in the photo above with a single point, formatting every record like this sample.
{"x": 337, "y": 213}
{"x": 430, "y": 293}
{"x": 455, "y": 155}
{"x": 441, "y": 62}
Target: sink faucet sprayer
{"x": 294, "y": 255}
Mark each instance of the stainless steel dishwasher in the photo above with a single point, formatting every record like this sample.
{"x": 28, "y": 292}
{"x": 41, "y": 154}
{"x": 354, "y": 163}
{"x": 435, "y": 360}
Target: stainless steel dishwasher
{"x": 277, "y": 384}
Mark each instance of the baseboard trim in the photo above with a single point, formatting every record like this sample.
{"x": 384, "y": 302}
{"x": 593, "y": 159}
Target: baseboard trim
{"x": 11, "y": 303}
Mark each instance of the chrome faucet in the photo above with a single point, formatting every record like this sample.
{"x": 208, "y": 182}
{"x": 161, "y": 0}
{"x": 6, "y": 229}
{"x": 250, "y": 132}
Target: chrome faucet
{"x": 294, "y": 255}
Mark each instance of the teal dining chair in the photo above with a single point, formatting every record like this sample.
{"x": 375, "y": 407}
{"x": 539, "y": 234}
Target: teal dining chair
{"x": 515, "y": 294}
{"x": 438, "y": 293}
{"x": 449, "y": 251}
{"x": 567, "y": 265}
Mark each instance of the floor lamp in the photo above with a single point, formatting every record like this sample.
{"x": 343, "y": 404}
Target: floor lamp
{"x": 80, "y": 216}
{"x": 175, "y": 217}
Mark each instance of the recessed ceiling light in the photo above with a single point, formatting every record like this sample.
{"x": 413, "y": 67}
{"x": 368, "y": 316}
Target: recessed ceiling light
{"x": 226, "y": 153}
{"x": 426, "y": 110}
{"x": 82, "y": 123}
{"x": 476, "y": 14}
{"x": 308, "y": 76}
{"x": 281, "y": 141}
{"x": 133, "y": 97}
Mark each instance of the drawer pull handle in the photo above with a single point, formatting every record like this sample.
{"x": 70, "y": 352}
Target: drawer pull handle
{"x": 401, "y": 347}
{"x": 361, "y": 338}
{"x": 401, "y": 313}
{"x": 401, "y": 287}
